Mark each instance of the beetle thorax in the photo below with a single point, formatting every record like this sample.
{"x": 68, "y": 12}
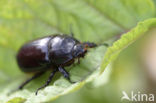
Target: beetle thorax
{"x": 61, "y": 49}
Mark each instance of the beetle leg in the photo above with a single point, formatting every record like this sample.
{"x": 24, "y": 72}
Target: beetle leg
{"x": 65, "y": 74}
{"x": 78, "y": 60}
{"x": 30, "y": 79}
{"x": 27, "y": 81}
{"x": 48, "y": 81}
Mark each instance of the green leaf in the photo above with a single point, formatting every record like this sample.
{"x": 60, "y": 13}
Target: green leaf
{"x": 92, "y": 20}
{"x": 16, "y": 100}
{"x": 126, "y": 40}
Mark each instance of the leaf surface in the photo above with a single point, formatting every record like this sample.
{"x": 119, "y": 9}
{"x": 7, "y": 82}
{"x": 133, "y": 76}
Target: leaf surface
{"x": 91, "y": 20}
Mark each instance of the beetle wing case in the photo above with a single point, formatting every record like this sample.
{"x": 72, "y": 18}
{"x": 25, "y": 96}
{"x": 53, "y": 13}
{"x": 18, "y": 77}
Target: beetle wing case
{"x": 33, "y": 56}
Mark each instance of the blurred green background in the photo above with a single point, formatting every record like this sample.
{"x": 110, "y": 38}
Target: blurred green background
{"x": 92, "y": 20}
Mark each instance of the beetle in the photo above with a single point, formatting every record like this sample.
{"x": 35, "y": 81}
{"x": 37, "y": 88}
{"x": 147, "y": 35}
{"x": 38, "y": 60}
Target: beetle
{"x": 51, "y": 53}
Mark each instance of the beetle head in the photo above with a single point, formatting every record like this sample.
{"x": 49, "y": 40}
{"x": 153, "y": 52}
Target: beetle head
{"x": 80, "y": 50}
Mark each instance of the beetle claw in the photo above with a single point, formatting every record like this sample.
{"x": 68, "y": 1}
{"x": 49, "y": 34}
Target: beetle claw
{"x": 72, "y": 82}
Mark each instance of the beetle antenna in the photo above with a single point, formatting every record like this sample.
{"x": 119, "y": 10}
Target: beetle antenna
{"x": 104, "y": 44}
{"x": 71, "y": 30}
{"x": 92, "y": 45}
